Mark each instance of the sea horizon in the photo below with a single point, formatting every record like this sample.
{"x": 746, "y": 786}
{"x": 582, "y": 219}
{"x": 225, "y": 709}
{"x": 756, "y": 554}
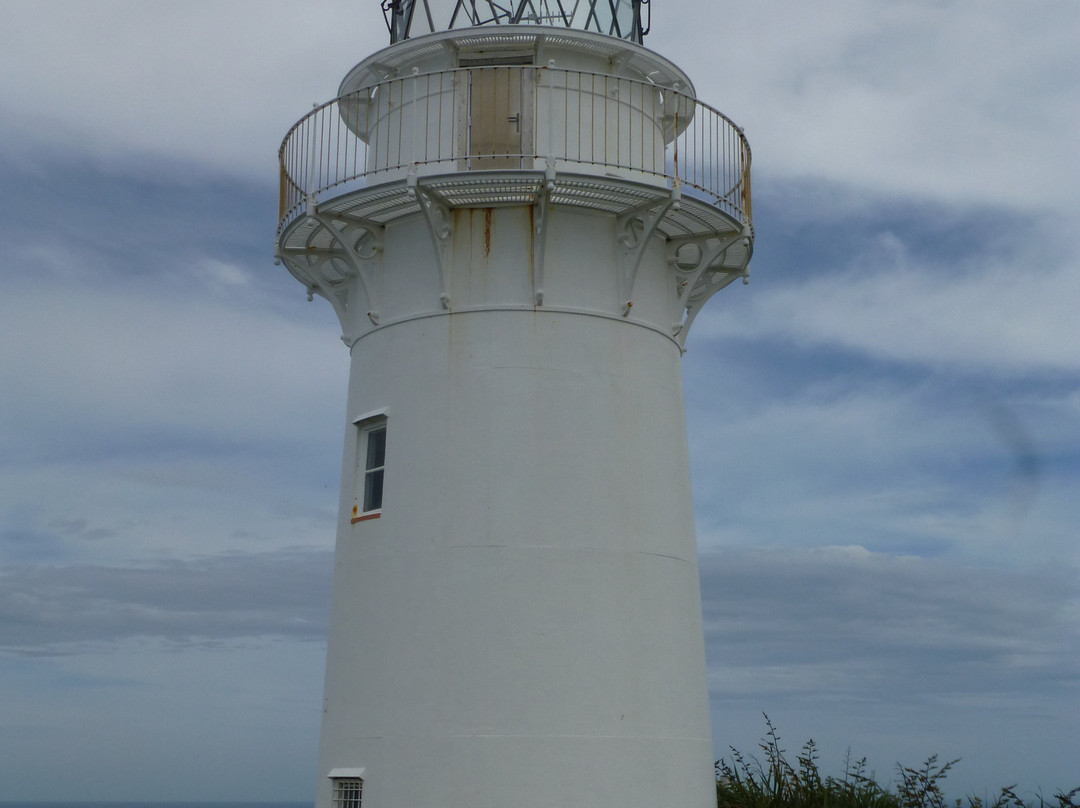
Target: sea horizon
{"x": 155, "y": 803}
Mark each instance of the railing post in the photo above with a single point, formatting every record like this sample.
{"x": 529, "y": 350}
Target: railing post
{"x": 675, "y": 179}
{"x": 313, "y": 160}
{"x": 551, "y": 117}
{"x": 282, "y": 174}
{"x": 415, "y": 118}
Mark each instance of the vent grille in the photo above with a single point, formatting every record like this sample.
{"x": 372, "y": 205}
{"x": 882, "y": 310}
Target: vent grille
{"x": 347, "y": 792}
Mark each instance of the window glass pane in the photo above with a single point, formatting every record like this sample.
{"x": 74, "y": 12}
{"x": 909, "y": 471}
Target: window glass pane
{"x": 615, "y": 17}
{"x": 624, "y": 14}
{"x": 376, "y": 448}
{"x": 370, "y": 460}
{"x": 373, "y": 481}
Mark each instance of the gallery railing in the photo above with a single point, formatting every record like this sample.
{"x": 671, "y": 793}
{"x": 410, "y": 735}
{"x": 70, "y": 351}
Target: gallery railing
{"x": 513, "y": 119}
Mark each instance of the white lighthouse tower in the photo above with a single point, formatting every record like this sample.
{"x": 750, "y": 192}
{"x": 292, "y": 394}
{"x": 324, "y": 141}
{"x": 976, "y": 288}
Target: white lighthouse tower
{"x": 516, "y": 211}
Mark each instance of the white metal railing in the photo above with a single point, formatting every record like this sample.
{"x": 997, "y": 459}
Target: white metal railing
{"x": 515, "y": 118}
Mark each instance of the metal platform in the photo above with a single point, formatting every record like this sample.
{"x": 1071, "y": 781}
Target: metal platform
{"x": 707, "y": 249}
{"x": 688, "y": 219}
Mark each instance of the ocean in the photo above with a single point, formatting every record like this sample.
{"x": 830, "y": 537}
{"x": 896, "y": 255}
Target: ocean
{"x": 157, "y": 804}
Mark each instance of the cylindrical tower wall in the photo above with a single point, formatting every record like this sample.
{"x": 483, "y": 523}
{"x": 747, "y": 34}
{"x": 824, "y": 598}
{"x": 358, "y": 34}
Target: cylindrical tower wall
{"x": 414, "y": 119}
{"x": 523, "y": 97}
{"x": 520, "y": 623}
{"x": 442, "y": 120}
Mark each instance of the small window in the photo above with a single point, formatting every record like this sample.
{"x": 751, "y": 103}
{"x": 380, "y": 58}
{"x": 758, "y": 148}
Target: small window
{"x": 347, "y": 792}
{"x": 370, "y": 465}
{"x": 375, "y": 461}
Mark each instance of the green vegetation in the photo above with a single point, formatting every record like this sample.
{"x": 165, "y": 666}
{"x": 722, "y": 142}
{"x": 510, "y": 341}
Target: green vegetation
{"x": 746, "y": 782}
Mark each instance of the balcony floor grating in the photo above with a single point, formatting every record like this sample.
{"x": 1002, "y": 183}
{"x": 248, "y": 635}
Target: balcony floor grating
{"x": 395, "y": 200}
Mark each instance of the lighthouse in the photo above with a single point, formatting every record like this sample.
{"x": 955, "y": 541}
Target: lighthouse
{"x": 516, "y": 210}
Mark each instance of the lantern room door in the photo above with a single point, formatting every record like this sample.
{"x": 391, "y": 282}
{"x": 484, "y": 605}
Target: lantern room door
{"x": 501, "y": 120}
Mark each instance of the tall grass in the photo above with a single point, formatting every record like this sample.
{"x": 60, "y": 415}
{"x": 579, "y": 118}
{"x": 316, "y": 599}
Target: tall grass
{"x": 746, "y": 781}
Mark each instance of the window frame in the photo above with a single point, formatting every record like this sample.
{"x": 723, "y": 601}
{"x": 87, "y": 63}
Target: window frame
{"x": 367, "y": 469}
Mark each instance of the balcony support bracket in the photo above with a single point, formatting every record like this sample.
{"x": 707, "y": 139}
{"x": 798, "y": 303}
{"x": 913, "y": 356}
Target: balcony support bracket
{"x": 440, "y": 222}
{"x": 539, "y": 235}
{"x": 361, "y": 241}
{"x": 699, "y": 281}
{"x": 333, "y": 272}
{"x": 634, "y": 228}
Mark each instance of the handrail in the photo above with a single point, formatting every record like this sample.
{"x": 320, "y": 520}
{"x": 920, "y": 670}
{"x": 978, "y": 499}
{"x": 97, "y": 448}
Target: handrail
{"x": 583, "y": 122}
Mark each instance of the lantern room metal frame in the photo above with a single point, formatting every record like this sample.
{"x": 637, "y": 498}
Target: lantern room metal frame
{"x": 625, "y": 19}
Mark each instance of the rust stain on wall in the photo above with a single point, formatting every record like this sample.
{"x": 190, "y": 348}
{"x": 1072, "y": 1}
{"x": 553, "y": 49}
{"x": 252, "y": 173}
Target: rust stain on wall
{"x": 487, "y": 232}
{"x": 530, "y": 251}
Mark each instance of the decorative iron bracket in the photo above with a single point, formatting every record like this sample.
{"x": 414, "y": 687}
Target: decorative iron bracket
{"x": 694, "y": 288}
{"x": 331, "y": 272}
{"x": 541, "y": 206}
{"x": 321, "y": 273}
{"x": 633, "y": 230}
{"x": 360, "y": 241}
{"x": 440, "y": 222}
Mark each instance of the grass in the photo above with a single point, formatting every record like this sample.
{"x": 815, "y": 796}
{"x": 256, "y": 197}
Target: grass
{"x": 775, "y": 782}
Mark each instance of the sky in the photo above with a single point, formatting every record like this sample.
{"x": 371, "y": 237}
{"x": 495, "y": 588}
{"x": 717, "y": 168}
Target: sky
{"x": 884, "y": 424}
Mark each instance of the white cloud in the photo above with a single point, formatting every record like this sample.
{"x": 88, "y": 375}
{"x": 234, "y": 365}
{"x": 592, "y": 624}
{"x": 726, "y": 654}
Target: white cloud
{"x": 223, "y": 275}
{"x": 1008, "y": 308}
{"x": 969, "y": 101}
{"x": 144, "y": 358}
{"x": 209, "y": 83}
{"x": 170, "y": 400}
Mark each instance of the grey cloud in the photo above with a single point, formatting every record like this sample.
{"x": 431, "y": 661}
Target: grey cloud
{"x": 852, "y": 624}
{"x": 80, "y": 529}
{"x": 55, "y": 609}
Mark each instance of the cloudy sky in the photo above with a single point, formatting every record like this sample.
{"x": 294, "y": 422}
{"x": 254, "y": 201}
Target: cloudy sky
{"x": 884, "y": 425}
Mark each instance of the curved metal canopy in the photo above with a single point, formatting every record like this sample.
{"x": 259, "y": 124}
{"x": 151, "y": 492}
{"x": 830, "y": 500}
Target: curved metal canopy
{"x": 626, "y": 19}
